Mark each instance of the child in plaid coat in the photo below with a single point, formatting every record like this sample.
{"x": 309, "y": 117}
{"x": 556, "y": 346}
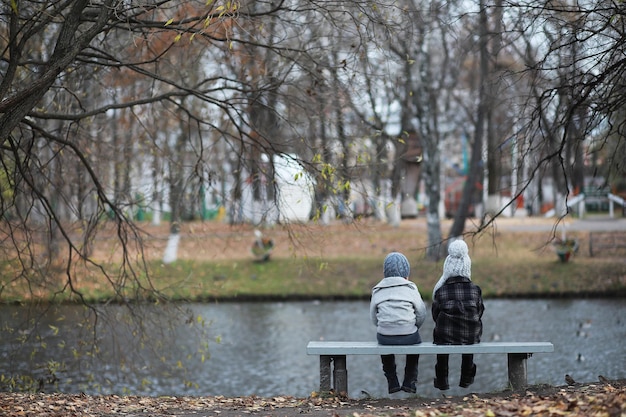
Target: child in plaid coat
{"x": 457, "y": 309}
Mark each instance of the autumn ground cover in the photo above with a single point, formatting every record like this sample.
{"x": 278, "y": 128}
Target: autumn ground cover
{"x": 602, "y": 399}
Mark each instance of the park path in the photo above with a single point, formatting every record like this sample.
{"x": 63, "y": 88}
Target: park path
{"x": 595, "y": 223}
{"x": 590, "y": 224}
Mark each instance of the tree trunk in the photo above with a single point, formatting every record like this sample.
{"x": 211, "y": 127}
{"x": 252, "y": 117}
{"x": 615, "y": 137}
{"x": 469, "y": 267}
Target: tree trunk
{"x": 458, "y": 225}
{"x": 432, "y": 180}
{"x": 177, "y": 181}
{"x": 494, "y": 171}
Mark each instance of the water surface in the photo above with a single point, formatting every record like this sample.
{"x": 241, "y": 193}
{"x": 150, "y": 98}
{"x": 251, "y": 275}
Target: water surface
{"x": 260, "y": 348}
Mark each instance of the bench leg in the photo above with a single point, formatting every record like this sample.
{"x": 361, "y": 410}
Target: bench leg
{"x": 517, "y": 370}
{"x": 340, "y": 375}
{"x": 325, "y": 373}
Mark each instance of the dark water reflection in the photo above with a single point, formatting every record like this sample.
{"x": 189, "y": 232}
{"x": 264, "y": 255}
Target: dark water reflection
{"x": 259, "y": 348}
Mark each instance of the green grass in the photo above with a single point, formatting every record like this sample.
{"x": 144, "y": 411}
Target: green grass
{"x": 354, "y": 278}
{"x": 284, "y": 279}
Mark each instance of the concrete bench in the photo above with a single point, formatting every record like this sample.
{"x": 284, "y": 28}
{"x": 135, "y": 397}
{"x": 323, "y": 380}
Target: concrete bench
{"x": 334, "y": 353}
{"x": 611, "y": 242}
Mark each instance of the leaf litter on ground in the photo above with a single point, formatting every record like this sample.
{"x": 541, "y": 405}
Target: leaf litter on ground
{"x": 607, "y": 398}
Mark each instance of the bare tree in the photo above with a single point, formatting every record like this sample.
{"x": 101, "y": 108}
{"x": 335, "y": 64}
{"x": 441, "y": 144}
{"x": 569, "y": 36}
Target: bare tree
{"x": 432, "y": 97}
{"x": 458, "y": 225}
{"x": 573, "y": 76}
{"x": 94, "y": 90}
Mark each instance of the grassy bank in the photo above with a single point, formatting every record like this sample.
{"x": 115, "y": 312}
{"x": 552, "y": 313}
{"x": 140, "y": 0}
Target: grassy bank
{"x": 331, "y": 262}
{"x": 354, "y": 278}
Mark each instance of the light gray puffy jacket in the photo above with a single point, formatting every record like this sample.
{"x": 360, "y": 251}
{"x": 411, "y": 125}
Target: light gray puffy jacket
{"x": 396, "y": 307}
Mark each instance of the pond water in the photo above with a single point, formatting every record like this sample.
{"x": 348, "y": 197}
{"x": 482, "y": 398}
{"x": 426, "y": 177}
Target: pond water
{"x": 260, "y": 348}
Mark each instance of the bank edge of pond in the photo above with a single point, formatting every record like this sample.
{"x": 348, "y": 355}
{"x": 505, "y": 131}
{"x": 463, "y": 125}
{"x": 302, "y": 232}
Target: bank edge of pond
{"x": 252, "y": 298}
{"x": 616, "y": 294}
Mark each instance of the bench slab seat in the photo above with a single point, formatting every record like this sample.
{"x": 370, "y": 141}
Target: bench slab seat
{"x": 333, "y": 353}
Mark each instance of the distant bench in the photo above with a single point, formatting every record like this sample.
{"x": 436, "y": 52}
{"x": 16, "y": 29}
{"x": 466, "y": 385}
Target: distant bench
{"x": 606, "y": 241}
{"x": 335, "y": 353}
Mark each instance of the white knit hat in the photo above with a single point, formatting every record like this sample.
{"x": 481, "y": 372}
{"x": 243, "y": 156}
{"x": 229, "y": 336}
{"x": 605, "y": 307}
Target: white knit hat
{"x": 458, "y": 262}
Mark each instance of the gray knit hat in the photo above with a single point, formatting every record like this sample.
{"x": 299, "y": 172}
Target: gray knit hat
{"x": 396, "y": 265}
{"x": 458, "y": 262}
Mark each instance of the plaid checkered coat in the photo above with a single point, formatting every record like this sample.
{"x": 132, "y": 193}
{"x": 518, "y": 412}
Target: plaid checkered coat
{"x": 457, "y": 311}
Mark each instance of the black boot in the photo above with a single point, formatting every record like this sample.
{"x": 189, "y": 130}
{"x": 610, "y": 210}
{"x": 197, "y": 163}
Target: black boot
{"x": 441, "y": 377}
{"x": 410, "y": 374}
{"x": 389, "y": 368}
{"x": 468, "y": 370}
{"x": 467, "y": 376}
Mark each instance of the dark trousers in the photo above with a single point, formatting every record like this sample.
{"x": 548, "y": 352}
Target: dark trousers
{"x": 468, "y": 371}
{"x": 389, "y": 361}
{"x": 467, "y": 362}
{"x": 405, "y": 339}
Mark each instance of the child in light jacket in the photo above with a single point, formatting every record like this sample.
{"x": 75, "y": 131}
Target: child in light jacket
{"x": 397, "y": 310}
